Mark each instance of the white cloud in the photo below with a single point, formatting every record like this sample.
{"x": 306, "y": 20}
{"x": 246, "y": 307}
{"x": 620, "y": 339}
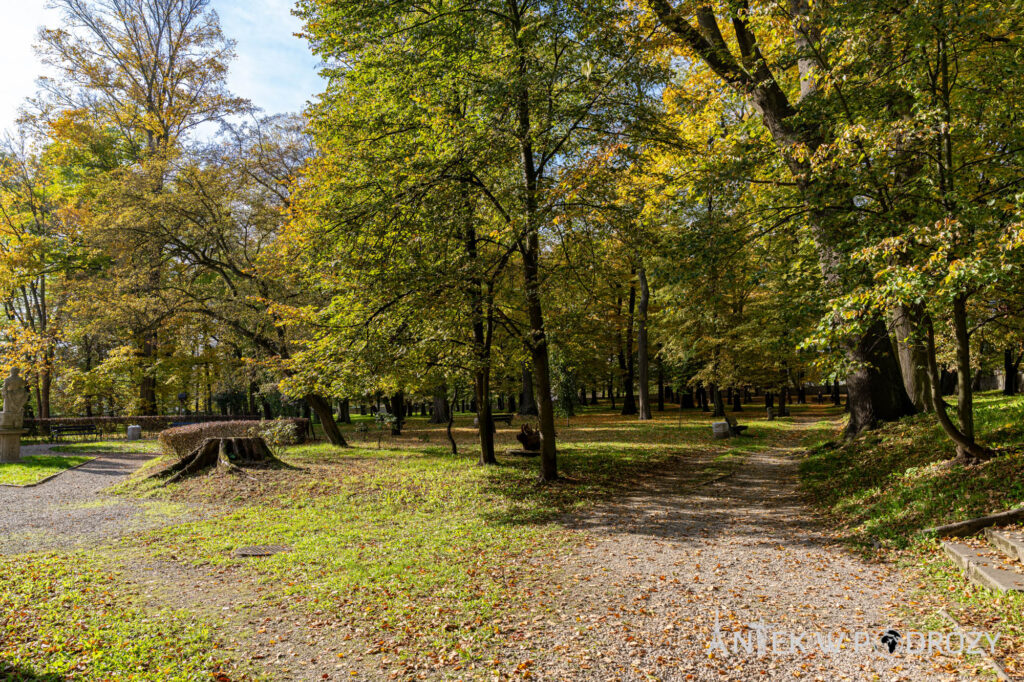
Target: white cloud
{"x": 274, "y": 69}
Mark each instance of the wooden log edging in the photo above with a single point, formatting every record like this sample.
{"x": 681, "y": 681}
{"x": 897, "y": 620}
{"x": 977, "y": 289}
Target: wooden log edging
{"x": 972, "y": 526}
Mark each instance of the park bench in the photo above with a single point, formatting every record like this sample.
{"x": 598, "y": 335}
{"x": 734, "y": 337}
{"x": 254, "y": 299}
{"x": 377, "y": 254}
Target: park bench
{"x": 734, "y": 428}
{"x": 495, "y": 418}
{"x": 60, "y": 430}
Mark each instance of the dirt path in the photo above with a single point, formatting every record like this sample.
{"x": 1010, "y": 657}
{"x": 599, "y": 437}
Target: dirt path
{"x": 644, "y": 595}
{"x": 71, "y": 511}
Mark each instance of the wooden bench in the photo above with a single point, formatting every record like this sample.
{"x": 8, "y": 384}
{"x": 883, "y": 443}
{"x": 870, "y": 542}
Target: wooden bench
{"x": 734, "y": 428}
{"x": 495, "y": 418}
{"x": 60, "y": 430}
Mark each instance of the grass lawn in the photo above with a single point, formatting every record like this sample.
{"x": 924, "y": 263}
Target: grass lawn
{"x": 108, "y": 446}
{"x": 432, "y": 558}
{"x": 72, "y": 617}
{"x": 34, "y": 468}
{"x": 885, "y": 488}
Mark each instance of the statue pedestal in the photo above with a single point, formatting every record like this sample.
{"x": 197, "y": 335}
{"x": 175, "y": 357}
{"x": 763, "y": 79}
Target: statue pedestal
{"x": 10, "y": 445}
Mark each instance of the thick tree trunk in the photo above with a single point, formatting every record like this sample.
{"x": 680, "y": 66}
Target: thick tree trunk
{"x": 440, "y": 415}
{"x": 484, "y": 416}
{"x": 538, "y": 344}
{"x": 783, "y": 402}
{"x": 527, "y": 400}
{"x": 661, "y": 384}
{"x": 626, "y": 358}
{"x": 398, "y": 412}
{"x": 965, "y": 391}
{"x": 716, "y": 394}
{"x": 45, "y": 381}
{"x": 1011, "y": 365}
{"x": 323, "y": 410}
{"x": 643, "y": 359}
{"x": 913, "y": 358}
{"x": 147, "y": 385}
{"x": 874, "y": 391}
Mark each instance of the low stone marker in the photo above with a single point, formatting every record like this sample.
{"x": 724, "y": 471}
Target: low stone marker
{"x": 134, "y": 432}
{"x": 720, "y": 429}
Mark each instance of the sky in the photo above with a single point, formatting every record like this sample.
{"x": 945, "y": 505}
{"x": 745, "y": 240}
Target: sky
{"x": 273, "y": 68}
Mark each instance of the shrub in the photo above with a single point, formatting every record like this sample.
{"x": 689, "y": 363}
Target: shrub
{"x": 182, "y": 440}
{"x": 277, "y": 432}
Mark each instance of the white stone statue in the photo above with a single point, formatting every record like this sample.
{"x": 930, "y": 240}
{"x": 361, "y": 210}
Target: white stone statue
{"x": 15, "y": 395}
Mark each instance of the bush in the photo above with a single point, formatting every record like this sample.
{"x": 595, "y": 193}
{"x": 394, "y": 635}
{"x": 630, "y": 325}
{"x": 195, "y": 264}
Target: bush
{"x": 182, "y": 440}
{"x": 117, "y": 424}
{"x": 278, "y": 432}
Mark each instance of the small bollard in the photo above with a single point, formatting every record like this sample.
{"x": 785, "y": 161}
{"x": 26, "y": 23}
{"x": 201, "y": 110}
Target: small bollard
{"x": 134, "y": 432}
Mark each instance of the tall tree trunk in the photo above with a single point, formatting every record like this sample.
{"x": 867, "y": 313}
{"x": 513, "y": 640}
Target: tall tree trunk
{"x": 1010, "y": 369}
{"x": 147, "y": 384}
{"x": 643, "y": 359}
{"x": 45, "y": 381}
{"x": 965, "y": 392}
{"x": 966, "y": 447}
{"x": 912, "y": 356}
{"x": 626, "y": 357}
{"x": 661, "y": 383}
{"x": 716, "y": 394}
{"x": 527, "y": 400}
{"x": 451, "y": 419}
{"x": 440, "y": 415}
{"x": 323, "y": 410}
{"x": 398, "y": 412}
{"x": 538, "y": 344}
{"x": 484, "y": 416}
{"x": 874, "y": 391}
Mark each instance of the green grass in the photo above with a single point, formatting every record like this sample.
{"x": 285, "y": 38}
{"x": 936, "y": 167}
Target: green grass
{"x": 428, "y": 550}
{"x": 433, "y": 558}
{"x": 34, "y": 468}
{"x": 884, "y": 489}
{"x": 109, "y": 446}
{"x": 67, "y": 616}
{"x": 890, "y": 484}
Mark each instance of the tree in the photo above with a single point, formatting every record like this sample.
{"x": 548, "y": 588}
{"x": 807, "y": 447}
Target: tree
{"x": 786, "y": 104}
{"x": 148, "y": 72}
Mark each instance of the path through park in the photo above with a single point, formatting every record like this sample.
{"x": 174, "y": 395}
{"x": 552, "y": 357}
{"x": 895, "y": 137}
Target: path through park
{"x": 665, "y": 563}
{"x": 71, "y": 510}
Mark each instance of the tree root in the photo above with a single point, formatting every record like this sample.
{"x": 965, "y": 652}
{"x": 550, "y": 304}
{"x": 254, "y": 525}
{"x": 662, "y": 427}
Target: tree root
{"x": 227, "y": 454}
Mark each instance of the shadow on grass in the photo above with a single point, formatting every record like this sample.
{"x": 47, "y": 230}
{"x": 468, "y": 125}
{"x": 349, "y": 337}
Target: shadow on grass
{"x": 22, "y": 674}
{"x": 897, "y": 481}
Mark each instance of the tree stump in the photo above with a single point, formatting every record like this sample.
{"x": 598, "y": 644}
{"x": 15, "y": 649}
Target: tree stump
{"x": 224, "y": 453}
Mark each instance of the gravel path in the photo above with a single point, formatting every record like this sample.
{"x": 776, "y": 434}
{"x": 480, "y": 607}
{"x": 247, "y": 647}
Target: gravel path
{"x": 70, "y": 511}
{"x": 641, "y": 600}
